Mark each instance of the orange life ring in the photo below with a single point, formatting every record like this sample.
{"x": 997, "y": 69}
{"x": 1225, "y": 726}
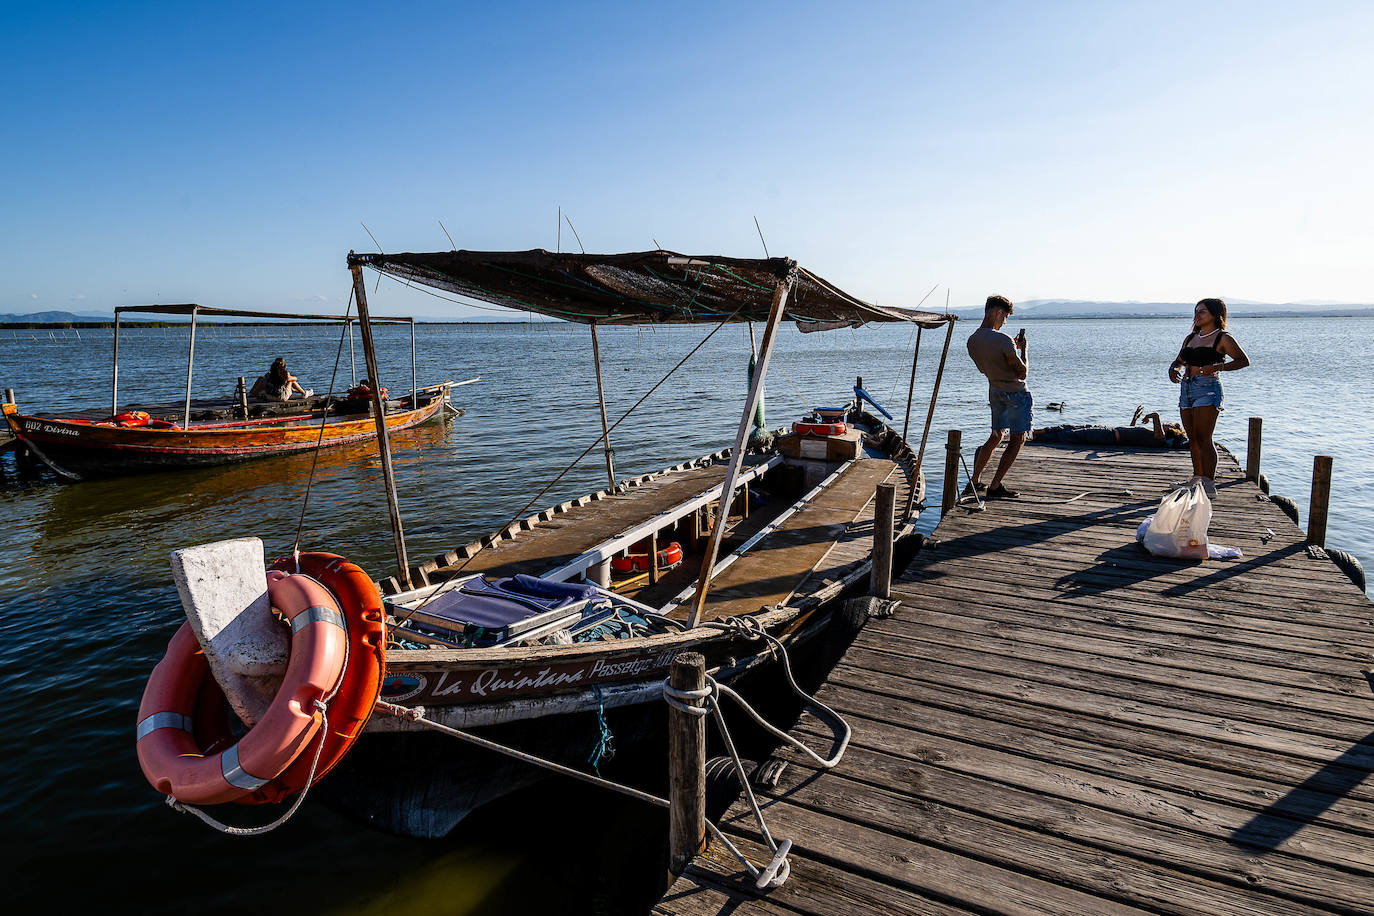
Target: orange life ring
{"x": 668, "y": 557}
{"x": 133, "y": 418}
{"x": 807, "y": 428}
{"x": 362, "y": 683}
{"x": 169, "y": 753}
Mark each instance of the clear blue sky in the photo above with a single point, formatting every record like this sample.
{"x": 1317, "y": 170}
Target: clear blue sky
{"x": 226, "y": 153}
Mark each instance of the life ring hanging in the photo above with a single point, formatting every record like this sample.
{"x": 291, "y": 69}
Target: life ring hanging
{"x": 668, "y": 557}
{"x": 178, "y": 752}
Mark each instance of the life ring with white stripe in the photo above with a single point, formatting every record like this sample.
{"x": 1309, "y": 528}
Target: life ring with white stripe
{"x": 806, "y": 428}
{"x": 168, "y": 751}
{"x": 668, "y": 557}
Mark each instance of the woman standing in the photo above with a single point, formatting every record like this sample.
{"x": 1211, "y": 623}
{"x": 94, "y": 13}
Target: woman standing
{"x": 1201, "y": 357}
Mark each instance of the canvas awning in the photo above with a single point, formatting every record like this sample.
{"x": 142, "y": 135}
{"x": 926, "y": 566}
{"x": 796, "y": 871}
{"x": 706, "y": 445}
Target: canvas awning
{"x": 647, "y": 287}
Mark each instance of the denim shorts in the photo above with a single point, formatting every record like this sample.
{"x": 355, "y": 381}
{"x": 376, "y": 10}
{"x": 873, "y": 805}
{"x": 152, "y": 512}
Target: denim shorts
{"x": 1010, "y": 410}
{"x": 1200, "y": 391}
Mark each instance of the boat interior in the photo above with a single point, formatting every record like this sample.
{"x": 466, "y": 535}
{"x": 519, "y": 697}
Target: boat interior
{"x": 640, "y": 547}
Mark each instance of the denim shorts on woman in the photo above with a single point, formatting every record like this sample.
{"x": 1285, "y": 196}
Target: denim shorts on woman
{"x": 1010, "y": 410}
{"x": 1200, "y": 391}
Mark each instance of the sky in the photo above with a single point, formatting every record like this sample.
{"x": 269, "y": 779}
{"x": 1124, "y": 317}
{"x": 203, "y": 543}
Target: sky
{"x": 232, "y": 154}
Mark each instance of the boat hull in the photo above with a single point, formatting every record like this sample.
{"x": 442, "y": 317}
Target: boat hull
{"x": 84, "y": 449}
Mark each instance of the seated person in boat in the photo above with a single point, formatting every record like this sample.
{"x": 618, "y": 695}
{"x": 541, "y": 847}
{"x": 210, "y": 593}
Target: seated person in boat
{"x": 277, "y": 384}
{"x": 1163, "y": 435}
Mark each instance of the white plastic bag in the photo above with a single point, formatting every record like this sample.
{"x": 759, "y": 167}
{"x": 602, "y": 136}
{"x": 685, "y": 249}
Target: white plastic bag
{"x": 1179, "y": 528}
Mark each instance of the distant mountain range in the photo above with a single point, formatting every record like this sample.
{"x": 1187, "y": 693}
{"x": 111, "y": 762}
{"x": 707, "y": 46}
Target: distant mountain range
{"x": 1236, "y": 308}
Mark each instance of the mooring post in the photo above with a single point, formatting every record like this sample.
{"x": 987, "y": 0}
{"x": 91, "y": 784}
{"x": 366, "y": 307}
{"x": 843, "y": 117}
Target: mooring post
{"x": 9, "y": 395}
{"x": 1321, "y": 499}
{"x": 951, "y": 490}
{"x": 880, "y": 579}
{"x": 242, "y": 392}
{"x": 686, "y": 768}
{"x": 1252, "y": 450}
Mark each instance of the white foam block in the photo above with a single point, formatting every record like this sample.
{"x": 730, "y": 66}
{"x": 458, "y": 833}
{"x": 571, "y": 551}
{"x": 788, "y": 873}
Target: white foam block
{"x": 223, "y": 588}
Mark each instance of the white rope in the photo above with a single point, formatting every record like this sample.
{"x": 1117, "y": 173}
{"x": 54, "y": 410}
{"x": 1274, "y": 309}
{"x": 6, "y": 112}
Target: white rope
{"x": 295, "y": 806}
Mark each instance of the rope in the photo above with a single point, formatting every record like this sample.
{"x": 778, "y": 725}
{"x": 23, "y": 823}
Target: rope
{"x": 605, "y": 745}
{"x": 417, "y": 715}
{"x": 324, "y": 420}
{"x": 224, "y": 828}
{"x": 447, "y": 584}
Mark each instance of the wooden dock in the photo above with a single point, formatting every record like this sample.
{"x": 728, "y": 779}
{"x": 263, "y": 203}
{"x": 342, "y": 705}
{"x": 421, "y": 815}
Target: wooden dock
{"x": 1054, "y": 721}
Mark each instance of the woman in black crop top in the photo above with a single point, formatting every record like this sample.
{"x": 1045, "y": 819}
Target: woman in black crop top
{"x": 1203, "y": 354}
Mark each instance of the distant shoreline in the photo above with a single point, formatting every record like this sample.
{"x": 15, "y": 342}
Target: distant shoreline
{"x": 962, "y": 314}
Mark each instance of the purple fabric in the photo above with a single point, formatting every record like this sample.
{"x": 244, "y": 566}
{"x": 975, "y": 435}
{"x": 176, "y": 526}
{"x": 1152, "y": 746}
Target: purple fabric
{"x": 543, "y": 588}
{"x": 499, "y": 604}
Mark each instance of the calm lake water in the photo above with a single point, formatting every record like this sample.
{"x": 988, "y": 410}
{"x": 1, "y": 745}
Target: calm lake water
{"x": 87, "y": 604}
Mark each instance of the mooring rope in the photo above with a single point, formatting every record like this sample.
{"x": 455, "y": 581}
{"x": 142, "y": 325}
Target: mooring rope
{"x": 448, "y": 583}
{"x": 701, "y": 702}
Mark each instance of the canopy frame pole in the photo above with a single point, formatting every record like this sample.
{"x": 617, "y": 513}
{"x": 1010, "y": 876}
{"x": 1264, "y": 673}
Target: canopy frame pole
{"x": 601, "y": 399}
{"x": 114, "y": 382}
{"x": 727, "y": 492}
{"x": 911, "y": 388}
{"x": 414, "y": 385}
{"x": 930, "y": 416}
{"x": 379, "y": 415}
{"x": 352, "y": 360}
{"x": 190, "y": 364}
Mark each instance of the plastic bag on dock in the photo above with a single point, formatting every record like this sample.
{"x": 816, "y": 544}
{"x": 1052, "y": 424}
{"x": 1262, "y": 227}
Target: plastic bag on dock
{"x": 1179, "y": 527}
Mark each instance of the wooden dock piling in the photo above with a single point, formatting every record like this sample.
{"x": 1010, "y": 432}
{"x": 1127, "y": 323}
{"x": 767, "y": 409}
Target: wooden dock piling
{"x": 1252, "y": 450}
{"x": 1321, "y": 499}
{"x": 686, "y": 768}
{"x": 951, "y": 489}
{"x": 880, "y": 579}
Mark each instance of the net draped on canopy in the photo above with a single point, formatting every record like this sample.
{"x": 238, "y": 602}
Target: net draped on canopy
{"x": 648, "y": 287}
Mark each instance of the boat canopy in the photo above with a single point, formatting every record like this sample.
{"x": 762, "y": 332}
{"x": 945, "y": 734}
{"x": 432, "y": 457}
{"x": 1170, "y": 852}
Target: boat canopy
{"x": 646, "y": 287}
{"x": 190, "y": 308}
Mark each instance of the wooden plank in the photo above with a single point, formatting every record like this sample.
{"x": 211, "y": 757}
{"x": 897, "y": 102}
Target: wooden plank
{"x": 1051, "y": 702}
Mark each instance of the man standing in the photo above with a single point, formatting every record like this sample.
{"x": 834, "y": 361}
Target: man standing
{"x": 997, "y": 357}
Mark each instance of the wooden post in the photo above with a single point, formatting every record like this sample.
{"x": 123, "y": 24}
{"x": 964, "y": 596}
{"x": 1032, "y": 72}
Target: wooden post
{"x": 653, "y": 558}
{"x": 9, "y": 395}
{"x": 242, "y": 392}
{"x": 880, "y": 580}
{"x": 951, "y": 490}
{"x": 1321, "y": 498}
{"x": 379, "y": 412}
{"x": 930, "y": 416}
{"x": 1252, "y": 450}
{"x": 686, "y": 768}
{"x": 190, "y": 365}
{"x": 732, "y": 471}
{"x": 114, "y": 379}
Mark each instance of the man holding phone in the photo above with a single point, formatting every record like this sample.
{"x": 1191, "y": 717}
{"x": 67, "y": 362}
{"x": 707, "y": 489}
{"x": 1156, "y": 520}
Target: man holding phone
{"x": 1006, "y": 365}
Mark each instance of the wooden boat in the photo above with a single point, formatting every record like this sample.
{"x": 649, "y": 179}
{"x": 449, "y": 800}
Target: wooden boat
{"x": 197, "y": 433}
{"x": 530, "y": 636}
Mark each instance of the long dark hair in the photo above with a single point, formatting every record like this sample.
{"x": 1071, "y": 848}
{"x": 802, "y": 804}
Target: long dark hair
{"x": 1218, "y": 309}
{"x": 278, "y": 370}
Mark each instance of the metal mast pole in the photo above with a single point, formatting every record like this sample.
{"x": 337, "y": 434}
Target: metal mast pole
{"x": 379, "y": 411}
{"x": 727, "y": 491}
{"x": 911, "y": 389}
{"x": 114, "y": 383}
{"x": 930, "y": 415}
{"x": 601, "y": 399}
{"x": 190, "y": 364}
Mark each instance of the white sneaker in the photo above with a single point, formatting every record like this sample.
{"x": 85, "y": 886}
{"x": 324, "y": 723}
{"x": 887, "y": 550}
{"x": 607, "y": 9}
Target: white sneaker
{"x": 309, "y": 393}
